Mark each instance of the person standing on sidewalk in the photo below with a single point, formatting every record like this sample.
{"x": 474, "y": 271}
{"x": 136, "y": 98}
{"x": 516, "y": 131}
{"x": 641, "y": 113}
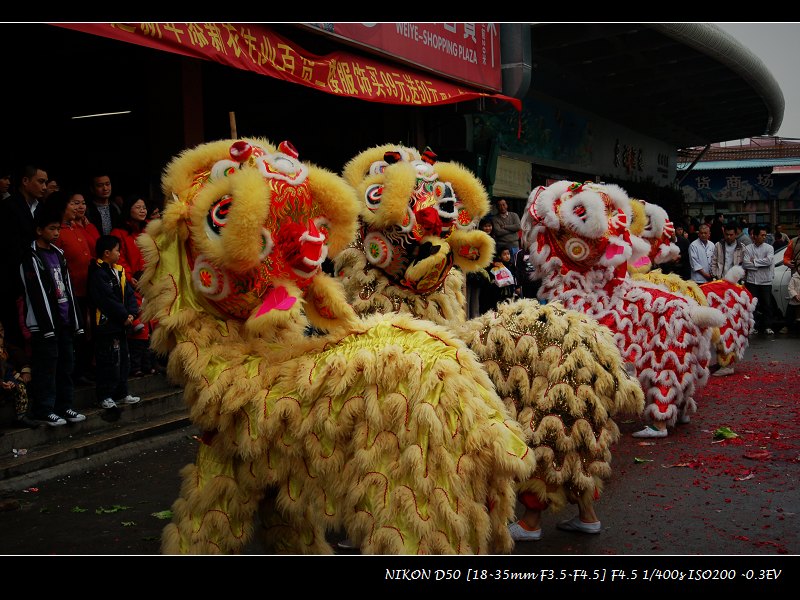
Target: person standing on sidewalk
{"x": 100, "y": 210}
{"x": 116, "y": 309}
{"x": 53, "y": 319}
{"x": 506, "y": 227}
{"x": 728, "y": 252}
{"x": 701, "y": 251}
{"x": 759, "y": 268}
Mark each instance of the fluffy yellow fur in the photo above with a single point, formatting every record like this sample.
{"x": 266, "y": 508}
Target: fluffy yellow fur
{"x": 387, "y": 427}
{"x": 370, "y": 291}
{"x": 638, "y": 218}
{"x": 561, "y": 376}
{"x": 559, "y": 373}
{"x": 471, "y": 192}
{"x": 358, "y": 167}
{"x": 465, "y": 243}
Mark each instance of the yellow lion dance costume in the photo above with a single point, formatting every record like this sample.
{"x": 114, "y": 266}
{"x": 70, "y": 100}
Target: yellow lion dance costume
{"x": 559, "y": 372}
{"x": 386, "y": 428}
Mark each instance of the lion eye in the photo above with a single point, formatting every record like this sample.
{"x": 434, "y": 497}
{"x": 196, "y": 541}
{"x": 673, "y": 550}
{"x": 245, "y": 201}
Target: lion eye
{"x": 373, "y": 196}
{"x": 378, "y": 167}
{"x": 218, "y": 213}
{"x": 580, "y": 212}
{"x": 223, "y": 168}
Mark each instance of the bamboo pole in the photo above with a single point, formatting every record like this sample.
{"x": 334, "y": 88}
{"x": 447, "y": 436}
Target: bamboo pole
{"x": 232, "y": 119}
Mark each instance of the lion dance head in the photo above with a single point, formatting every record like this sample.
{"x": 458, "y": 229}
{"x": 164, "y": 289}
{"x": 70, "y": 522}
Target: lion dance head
{"x": 418, "y": 215}
{"x": 251, "y": 226}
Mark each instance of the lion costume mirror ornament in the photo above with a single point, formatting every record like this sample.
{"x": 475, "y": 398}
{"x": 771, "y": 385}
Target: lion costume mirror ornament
{"x": 386, "y": 428}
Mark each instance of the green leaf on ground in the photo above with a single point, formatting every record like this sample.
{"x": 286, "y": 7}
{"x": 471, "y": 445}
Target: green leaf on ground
{"x": 638, "y": 460}
{"x": 116, "y": 508}
{"x": 128, "y": 523}
{"x": 44, "y": 510}
{"x": 163, "y": 514}
{"x": 78, "y": 509}
{"x": 725, "y": 433}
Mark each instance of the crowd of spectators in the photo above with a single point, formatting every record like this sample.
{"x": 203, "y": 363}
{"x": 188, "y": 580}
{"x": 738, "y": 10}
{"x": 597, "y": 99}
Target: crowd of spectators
{"x": 49, "y": 237}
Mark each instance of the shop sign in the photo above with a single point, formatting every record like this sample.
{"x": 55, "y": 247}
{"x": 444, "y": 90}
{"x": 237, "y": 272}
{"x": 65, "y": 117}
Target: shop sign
{"x": 512, "y": 178}
{"x": 258, "y": 48}
{"x": 468, "y": 52}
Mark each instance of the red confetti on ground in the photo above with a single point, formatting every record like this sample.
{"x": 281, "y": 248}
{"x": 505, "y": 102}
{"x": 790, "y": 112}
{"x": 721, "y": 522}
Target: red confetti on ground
{"x": 768, "y": 425}
{"x": 759, "y": 404}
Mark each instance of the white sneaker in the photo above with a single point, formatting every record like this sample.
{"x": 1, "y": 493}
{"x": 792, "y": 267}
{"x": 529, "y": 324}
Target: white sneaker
{"x": 575, "y": 524}
{"x": 130, "y": 399}
{"x": 108, "y": 403}
{"x": 520, "y": 534}
{"x": 769, "y": 331}
{"x": 651, "y": 432}
{"x": 723, "y": 372}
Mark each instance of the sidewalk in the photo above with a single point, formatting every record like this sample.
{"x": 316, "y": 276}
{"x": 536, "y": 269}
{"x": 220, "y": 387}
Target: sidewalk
{"x": 26, "y": 452}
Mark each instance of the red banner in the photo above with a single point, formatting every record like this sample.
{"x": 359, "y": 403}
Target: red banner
{"x": 468, "y": 52}
{"x": 258, "y": 48}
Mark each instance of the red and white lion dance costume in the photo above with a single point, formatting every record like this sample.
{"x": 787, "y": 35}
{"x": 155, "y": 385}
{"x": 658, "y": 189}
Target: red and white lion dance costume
{"x": 579, "y": 241}
{"x": 736, "y": 303}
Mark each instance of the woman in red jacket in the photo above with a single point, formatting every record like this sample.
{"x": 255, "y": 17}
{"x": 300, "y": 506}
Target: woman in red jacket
{"x": 131, "y": 224}
{"x": 77, "y": 240}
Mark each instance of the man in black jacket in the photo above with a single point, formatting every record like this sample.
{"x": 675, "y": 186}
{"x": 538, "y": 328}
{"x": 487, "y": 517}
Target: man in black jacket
{"x": 16, "y": 234}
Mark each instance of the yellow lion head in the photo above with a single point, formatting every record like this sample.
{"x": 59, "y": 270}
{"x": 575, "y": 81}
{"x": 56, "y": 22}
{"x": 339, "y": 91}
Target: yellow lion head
{"x": 245, "y": 230}
{"x": 418, "y": 215}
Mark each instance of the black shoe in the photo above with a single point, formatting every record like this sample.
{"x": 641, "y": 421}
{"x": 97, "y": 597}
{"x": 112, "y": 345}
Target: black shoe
{"x": 25, "y": 421}
{"x": 83, "y": 380}
{"x": 53, "y": 420}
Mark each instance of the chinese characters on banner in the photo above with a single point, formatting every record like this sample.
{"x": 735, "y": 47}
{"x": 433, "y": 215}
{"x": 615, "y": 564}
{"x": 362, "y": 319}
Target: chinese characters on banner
{"x": 726, "y": 185}
{"x": 468, "y": 52}
{"x": 255, "y": 47}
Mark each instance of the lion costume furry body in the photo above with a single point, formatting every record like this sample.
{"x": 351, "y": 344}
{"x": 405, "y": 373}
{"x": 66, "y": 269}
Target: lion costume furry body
{"x": 580, "y": 242}
{"x": 558, "y": 372}
{"x": 387, "y": 428}
{"x": 730, "y": 340}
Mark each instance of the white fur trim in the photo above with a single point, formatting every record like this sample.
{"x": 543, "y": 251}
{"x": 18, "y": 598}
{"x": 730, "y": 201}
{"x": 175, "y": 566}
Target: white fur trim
{"x": 620, "y": 198}
{"x": 596, "y": 222}
{"x": 735, "y": 274}
{"x": 705, "y": 316}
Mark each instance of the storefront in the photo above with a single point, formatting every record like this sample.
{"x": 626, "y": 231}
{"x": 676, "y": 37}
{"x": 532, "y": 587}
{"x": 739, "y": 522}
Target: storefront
{"x": 164, "y": 87}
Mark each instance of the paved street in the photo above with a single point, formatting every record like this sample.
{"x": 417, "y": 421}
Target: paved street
{"x": 689, "y": 494}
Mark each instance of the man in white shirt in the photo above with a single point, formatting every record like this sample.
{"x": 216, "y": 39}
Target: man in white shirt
{"x": 759, "y": 268}
{"x": 701, "y": 251}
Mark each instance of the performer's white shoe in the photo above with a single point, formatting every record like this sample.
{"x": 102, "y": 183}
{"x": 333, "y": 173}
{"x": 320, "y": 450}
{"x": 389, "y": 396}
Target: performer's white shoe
{"x": 520, "y": 534}
{"x": 651, "y": 432}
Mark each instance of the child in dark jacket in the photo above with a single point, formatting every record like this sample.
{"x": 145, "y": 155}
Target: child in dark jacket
{"x": 115, "y": 311}
{"x": 53, "y": 319}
